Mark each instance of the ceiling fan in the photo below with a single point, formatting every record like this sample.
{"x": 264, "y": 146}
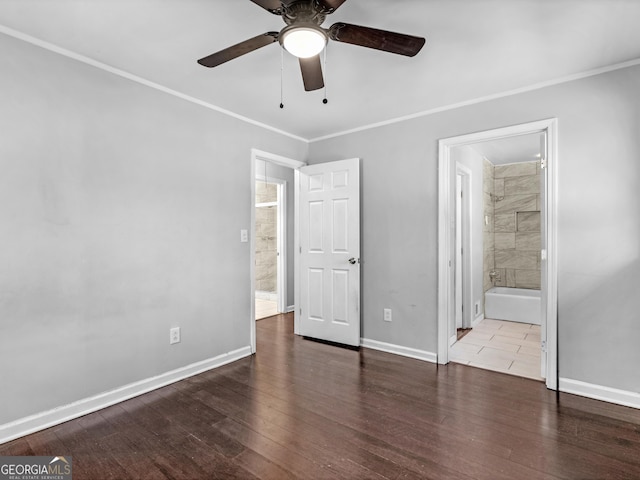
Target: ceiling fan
{"x": 305, "y": 38}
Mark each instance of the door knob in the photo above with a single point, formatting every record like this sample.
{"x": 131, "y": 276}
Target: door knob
{"x": 353, "y": 261}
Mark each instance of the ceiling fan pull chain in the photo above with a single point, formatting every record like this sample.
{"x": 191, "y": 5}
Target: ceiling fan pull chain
{"x": 324, "y": 100}
{"x": 281, "y": 76}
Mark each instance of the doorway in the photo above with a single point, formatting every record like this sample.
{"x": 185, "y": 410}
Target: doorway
{"x": 342, "y": 179}
{"x": 270, "y": 246}
{"x": 482, "y": 220}
{"x": 463, "y": 263}
{"x": 272, "y": 172}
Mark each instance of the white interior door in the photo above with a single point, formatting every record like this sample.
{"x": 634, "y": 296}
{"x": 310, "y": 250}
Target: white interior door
{"x": 329, "y": 237}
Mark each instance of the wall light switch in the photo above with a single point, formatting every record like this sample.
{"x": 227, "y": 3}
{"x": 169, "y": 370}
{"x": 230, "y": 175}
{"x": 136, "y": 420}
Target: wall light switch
{"x": 244, "y": 236}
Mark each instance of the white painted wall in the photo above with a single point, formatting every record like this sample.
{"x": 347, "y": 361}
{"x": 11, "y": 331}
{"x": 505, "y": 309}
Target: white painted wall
{"x": 474, "y": 162}
{"x": 599, "y": 219}
{"x": 120, "y": 213}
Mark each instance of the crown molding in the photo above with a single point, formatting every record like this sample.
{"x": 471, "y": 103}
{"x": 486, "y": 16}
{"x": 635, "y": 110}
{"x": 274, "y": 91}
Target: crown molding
{"x": 143, "y": 81}
{"x": 487, "y": 98}
{"x": 424, "y": 113}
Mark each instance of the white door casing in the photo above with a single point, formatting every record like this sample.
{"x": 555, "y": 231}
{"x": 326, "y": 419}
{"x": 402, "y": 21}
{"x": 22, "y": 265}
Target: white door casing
{"x": 544, "y": 267}
{"x": 463, "y": 201}
{"x": 329, "y": 251}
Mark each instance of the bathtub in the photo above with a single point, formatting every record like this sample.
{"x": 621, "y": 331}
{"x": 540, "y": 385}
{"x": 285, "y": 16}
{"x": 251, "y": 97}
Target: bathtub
{"x": 513, "y": 304}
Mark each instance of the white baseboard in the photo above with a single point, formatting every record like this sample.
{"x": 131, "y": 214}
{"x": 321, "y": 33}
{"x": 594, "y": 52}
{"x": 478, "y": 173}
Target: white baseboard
{"x": 599, "y": 392}
{"x": 40, "y": 421}
{"x": 399, "y": 350}
{"x": 291, "y": 308}
{"x": 477, "y": 320}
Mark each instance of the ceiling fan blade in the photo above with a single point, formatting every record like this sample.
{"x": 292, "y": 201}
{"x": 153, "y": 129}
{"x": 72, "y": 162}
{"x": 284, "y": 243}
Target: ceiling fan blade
{"x": 311, "y": 73}
{"x": 330, "y": 6}
{"x": 239, "y": 49}
{"x": 273, "y": 6}
{"x": 384, "y": 40}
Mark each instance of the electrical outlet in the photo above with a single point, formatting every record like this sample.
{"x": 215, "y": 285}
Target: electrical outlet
{"x": 386, "y": 314}
{"x": 174, "y": 335}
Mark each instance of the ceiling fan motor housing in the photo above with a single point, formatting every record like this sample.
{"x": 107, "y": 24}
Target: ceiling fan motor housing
{"x": 303, "y": 11}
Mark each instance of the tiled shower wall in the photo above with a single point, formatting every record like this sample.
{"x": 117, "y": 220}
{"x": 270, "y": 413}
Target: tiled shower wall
{"x": 515, "y": 212}
{"x": 488, "y": 243}
{"x": 266, "y": 245}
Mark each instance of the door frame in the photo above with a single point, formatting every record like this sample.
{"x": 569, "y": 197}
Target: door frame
{"x": 466, "y": 241}
{"x": 260, "y": 155}
{"x": 446, "y": 208}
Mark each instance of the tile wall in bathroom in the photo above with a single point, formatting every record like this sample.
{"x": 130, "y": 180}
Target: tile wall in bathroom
{"x": 488, "y": 237}
{"x": 516, "y": 225}
{"x": 266, "y": 244}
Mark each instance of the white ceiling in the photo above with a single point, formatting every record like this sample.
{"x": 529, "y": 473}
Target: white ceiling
{"x": 515, "y": 149}
{"x": 475, "y": 48}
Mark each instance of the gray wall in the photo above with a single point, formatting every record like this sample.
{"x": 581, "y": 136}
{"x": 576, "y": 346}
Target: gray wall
{"x": 599, "y": 219}
{"x": 121, "y": 209}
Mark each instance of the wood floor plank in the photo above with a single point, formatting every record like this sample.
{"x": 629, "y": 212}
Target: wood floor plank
{"x": 290, "y": 460}
{"x": 335, "y": 433}
{"x": 261, "y": 467}
{"x": 305, "y": 410}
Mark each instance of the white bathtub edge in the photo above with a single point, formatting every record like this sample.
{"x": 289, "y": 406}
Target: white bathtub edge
{"x": 513, "y": 304}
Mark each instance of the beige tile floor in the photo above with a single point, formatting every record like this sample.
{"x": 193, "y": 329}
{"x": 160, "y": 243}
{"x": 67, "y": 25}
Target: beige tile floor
{"x": 265, "y": 308}
{"x": 507, "y": 347}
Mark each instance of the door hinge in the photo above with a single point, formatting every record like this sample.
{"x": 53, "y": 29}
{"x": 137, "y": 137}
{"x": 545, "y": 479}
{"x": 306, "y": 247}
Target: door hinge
{"x": 543, "y": 346}
{"x": 543, "y": 163}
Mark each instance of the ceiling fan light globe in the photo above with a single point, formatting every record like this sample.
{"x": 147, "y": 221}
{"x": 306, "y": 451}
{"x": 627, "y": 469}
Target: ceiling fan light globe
{"x": 304, "y": 42}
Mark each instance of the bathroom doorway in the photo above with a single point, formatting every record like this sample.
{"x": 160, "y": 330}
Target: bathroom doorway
{"x": 510, "y": 263}
{"x": 269, "y": 249}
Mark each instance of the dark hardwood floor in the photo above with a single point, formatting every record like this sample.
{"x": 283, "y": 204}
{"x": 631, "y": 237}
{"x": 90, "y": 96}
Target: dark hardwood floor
{"x": 301, "y": 409}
